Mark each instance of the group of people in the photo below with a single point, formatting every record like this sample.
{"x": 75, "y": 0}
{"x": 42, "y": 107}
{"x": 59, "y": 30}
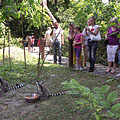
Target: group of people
{"x": 87, "y": 40}
{"x": 30, "y": 40}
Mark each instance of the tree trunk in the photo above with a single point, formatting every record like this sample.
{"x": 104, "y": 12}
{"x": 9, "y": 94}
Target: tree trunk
{"x": 4, "y": 47}
{"x": 56, "y": 2}
{"x": 9, "y": 46}
{"x": 23, "y": 42}
{"x": 44, "y": 2}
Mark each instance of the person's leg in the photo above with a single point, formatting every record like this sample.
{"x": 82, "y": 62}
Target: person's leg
{"x": 89, "y": 54}
{"x": 79, "y": 63}
{"x": 28, "y": 45}
{"x": 55, "y": 52}
{"x": 109, "y": 58}
{"x": 80, "y": 60}
{"x": 59, "y": 51}
{"x": 31, "y": 47}
{"x": 76, "y": 63}
{"x": 114, "y": 65}
{"x": 93, "y": 54}
{"x": 85, "y": 56}
{"x": 114, "y": 50}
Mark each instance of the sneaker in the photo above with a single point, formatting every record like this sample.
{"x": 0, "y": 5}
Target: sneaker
{"x": 91, "y": 70}
{"x": 60, "y": 63}
{"x": 118, "y": 75}
{"x": 55, "y": 62}
{"x": 113, "y": 71}
{"x": 108, "y": 70}
{"x": 76, "y": 69}
{"x": 80, "y": 69}
{"x": 85, "y": 68}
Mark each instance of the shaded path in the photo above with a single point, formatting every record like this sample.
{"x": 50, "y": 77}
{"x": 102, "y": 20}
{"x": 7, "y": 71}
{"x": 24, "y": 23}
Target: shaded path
{"x": 99, "y": 68}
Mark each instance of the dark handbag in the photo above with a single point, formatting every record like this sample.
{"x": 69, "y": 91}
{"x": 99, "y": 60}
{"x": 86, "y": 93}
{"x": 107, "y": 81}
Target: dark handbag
{"x": 89, "y": 41}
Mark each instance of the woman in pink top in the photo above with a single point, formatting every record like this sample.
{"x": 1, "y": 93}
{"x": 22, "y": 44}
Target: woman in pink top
{"x": 77, "y": 43}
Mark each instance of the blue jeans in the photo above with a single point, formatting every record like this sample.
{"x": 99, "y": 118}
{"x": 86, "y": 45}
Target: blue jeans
{"x": 92, "y": 47}
{"x": 57, "y": 50}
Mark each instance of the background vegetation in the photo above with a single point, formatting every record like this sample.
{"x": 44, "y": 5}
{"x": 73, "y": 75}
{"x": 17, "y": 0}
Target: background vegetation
{"x": 65, "y": 11}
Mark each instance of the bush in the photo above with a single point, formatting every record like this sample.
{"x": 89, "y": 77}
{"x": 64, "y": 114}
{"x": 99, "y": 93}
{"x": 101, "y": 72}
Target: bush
{"x": 103, "y": 104}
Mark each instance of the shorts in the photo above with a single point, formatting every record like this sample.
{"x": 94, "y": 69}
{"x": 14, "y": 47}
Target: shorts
{"x": 77, "y": 52}
{"x": 111, "y": 51}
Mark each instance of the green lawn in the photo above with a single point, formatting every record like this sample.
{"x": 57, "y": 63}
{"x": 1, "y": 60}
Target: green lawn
{"x": 13, "y": 105}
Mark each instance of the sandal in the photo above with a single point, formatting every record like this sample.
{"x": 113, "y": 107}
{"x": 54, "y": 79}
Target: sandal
{"x": 113, "y": 71}
{"x": 108, "y": 70}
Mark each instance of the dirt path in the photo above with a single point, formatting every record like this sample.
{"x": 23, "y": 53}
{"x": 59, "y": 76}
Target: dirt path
{"x": 99, "y": 68}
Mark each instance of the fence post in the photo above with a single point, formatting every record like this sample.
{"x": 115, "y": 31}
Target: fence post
{"x": 70, "y": 53}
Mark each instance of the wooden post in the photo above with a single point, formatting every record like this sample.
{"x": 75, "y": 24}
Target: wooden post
{"x": 23, "y": 41}
{"x": 9, "y": 46}
{"x": 70, "y": 53}
{"x": 42, "y": 48}
{"x": 4, "y": 46}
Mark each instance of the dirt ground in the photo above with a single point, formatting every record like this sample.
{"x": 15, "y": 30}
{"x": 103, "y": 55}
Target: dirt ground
{"x": 14, "y": 107}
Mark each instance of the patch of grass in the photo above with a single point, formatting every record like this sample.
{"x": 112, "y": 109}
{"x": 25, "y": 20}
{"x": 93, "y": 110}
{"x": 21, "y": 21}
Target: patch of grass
{"x": 55, "y": 108}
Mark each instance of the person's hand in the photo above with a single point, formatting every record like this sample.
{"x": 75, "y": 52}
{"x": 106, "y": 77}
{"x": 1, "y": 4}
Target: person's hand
{"x": 83, "y": 46}
{"x": 106, "y": 37}
{"x": 88, "y": 30}
{"x": 74, "y": 43}
{"x": 62, "y": 42}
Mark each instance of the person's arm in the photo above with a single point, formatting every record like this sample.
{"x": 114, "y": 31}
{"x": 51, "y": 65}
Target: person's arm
{"x": 77, "y": 43}
{"x": 87, "y": 32}
{"x": 62, "y": 38}
{"x": 106, "y": 35}
{"x": 51, "y": 33}
{"x": 81, "y": 37}
{"x": 94, "y": 33}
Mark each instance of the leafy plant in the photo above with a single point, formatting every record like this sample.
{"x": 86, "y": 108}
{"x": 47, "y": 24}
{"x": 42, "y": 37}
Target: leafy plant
{"x": 103, "y": 103}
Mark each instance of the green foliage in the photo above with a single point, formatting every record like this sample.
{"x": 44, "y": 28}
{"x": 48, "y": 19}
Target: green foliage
{"x": 112, "y": 96}
{"x": 32, "y": 11}
{"x": 99, "y": 99}
{"x": 79, "y": 11}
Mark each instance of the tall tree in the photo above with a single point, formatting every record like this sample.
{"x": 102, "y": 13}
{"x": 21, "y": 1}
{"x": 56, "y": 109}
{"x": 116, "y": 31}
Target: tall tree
{"x": 44, "y": 2}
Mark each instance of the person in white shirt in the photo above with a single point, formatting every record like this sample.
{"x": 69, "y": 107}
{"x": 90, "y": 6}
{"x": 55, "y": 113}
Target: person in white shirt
{"x": 94, "y": 36}
{"x": 47, "y": 37}
{"x": 58, "y": 41}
